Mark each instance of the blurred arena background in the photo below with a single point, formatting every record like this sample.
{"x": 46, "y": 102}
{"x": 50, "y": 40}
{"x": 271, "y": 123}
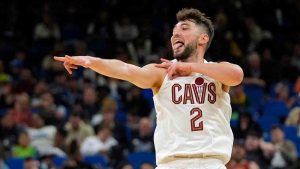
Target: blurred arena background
{"x": 50, "y": 119}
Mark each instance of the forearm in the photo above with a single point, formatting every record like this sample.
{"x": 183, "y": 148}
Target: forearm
{"x": 227, "y": 73}
{"x": 110, "y": 67}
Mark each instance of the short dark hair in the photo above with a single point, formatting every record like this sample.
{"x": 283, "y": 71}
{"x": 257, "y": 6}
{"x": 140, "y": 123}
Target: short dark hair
{"x": 199, "y": 18}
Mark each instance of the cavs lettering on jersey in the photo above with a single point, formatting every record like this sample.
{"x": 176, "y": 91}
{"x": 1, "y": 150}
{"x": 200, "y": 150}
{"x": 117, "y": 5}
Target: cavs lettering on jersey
{"x": 193, "y": 115}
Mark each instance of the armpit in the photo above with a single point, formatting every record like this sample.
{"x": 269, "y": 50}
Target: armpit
{"x": 225, "y": 88}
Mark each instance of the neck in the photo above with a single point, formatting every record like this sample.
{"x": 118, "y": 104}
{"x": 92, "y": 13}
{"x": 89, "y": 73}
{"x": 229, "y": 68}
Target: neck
{"x": 196, "y": 57}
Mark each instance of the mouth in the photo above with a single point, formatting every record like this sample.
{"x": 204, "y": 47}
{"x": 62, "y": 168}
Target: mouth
{"x": 178, "y": 44}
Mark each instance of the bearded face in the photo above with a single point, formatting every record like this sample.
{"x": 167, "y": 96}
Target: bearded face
{"x": 182, "y": 52}
{"x": 185, "y": 39}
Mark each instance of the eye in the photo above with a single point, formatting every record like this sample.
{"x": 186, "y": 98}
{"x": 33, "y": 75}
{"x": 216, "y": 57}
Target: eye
{"x": 184, "y": 28}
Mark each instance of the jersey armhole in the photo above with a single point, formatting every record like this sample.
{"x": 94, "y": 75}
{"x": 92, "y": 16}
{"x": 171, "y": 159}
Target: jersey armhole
{"x": 225, "y": 88}
{"x": 161, "y": 86}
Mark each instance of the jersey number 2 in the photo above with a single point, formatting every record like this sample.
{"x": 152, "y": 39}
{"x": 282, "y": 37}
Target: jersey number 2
{"x": 199, "y": 125}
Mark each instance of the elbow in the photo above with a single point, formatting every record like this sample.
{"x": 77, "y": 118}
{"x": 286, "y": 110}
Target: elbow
{"x": 237, "y": 76}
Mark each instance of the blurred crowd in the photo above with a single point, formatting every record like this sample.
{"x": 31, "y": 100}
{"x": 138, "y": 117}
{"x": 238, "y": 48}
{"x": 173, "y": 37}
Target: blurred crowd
{"x": 47, "y": 113}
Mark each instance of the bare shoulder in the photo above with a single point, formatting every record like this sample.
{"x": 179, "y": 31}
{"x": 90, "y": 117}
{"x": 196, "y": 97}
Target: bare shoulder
{"x": 224, "y": 62}
{"x": 160, "y": 74}
{"x": 156, "y": 70}
{"x": 152, "y": 66}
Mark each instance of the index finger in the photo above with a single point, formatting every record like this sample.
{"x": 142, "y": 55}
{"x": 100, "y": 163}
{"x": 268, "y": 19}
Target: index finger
{"x": 163, "y": 65}
{"x": 62, "y": 59}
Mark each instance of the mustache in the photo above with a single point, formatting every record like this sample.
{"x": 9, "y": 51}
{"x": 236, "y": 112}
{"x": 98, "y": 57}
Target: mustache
{"x": 176, "y": 36}
{"x": 189, "y": 50}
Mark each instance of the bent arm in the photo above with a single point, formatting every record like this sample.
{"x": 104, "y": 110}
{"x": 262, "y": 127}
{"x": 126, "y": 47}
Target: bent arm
{"x": 227, "y": 73}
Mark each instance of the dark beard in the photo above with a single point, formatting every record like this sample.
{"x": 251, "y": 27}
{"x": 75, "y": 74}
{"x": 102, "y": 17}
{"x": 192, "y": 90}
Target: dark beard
{"x": 187, "y": 52}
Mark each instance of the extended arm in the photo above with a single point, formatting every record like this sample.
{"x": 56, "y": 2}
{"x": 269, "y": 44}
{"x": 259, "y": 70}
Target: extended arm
{"x": 144, "y": 77}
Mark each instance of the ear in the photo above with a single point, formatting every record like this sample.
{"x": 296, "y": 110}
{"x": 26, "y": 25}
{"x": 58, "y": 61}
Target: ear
{"x": 203, "y": 39}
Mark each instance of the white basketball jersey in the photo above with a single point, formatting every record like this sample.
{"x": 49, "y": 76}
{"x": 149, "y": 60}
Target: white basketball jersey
{"x": 193, "y": 119}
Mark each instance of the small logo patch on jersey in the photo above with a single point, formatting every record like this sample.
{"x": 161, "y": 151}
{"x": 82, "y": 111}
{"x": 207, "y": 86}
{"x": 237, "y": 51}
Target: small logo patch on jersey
{"x": 199, "y": 81}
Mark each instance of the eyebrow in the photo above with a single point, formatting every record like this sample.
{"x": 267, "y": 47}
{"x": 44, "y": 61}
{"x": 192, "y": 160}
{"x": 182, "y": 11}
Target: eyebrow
{"x": 183, "y": 24}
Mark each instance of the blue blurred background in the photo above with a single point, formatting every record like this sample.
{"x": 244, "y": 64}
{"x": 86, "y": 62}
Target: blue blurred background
{"x": 50, "y": 119}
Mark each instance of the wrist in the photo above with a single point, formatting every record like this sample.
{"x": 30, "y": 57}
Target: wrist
{"x": 91, "y": 61}
{"x": 193, "y": 67}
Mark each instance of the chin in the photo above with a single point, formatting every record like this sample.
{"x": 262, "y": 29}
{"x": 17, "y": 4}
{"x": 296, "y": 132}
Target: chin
{"x": 177, "y": 55}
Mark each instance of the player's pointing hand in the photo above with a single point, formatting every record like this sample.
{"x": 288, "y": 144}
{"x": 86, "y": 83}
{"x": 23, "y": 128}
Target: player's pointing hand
{"x": 175, "y": 69}
{"x": 73, "y": 62}
{"x": 164, "y": 63}
{"x": 179, "y": 69}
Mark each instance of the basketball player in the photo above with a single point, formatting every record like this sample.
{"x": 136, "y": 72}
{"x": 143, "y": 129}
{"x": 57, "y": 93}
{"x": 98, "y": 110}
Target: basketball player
{"x": 190, "y": 95}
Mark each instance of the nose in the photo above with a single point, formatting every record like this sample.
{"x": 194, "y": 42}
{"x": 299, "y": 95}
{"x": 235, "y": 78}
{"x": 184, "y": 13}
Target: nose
{"x": 176, "y": 34}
